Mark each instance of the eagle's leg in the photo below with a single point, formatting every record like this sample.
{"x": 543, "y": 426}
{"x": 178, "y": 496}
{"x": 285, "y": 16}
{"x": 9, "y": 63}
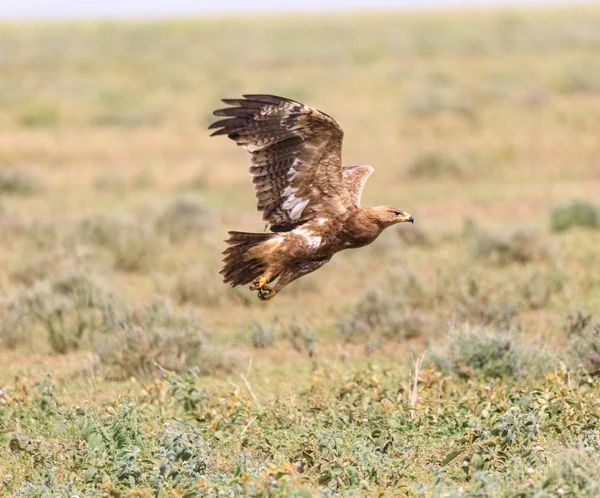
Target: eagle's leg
{"x": 266, "y": 292}
{"x": 289, "y": 275}
{"x": 258, "y": 283}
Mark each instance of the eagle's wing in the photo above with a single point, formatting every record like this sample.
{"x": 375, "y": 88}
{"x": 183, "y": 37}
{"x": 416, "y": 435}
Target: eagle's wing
{"x": 296, "y": 157}
{"x": 355, "y": 178}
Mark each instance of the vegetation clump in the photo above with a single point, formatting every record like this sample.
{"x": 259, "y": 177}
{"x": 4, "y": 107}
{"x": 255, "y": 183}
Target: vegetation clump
{"x": 576, "y": 214}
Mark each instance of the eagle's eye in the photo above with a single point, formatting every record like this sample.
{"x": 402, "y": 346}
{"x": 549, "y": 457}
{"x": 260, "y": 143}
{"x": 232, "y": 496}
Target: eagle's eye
{"x": 397, "y": 213}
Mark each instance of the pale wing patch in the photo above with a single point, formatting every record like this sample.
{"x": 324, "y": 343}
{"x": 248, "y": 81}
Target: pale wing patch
{"x": 292, "y": 204}
{"x": 313, "y": 241}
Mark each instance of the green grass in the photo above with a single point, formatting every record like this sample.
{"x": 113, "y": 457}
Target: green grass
{"x": 456, "y": 357}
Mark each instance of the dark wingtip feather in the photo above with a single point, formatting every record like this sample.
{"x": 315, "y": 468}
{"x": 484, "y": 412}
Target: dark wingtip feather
{"x": 222, "y": 131}
{"x": 265, "y": 98}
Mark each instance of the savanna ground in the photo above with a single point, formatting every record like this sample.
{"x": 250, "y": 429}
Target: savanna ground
{"x": 458, "y": 357}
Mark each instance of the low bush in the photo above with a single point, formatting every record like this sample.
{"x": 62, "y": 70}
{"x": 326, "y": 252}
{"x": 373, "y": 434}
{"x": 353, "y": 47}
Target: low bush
{"x": 156, "y": 339}
{"x": 184, "y": 218}
{"x": 584, "y": 341}
{"x": 383, "y": 316}
{"x": 38, "y": 114}
{"x": 134, "y": 244}
{"x": 575, "y": 214}
{"x": 519, "y": 246}
{"x": 261, "y": 335}
{"x": 490, "y": 352}
{"x": 16, "y": 182}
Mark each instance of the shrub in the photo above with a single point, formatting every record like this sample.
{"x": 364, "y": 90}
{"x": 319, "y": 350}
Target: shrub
{"x": 584, "y": 343}
{"x": 302, "y": 338}
{"x": 433, "y": 164}
{"x": 382, "y": 316}
{"x": 15, "y": 323}
{"x": 183, "y": 218}
{"x": 577, "y": 322}
{"x": 490, "y": 352}
{"x": 134, "y": 244}
{"x": 199, "y": 287}
{"x": 575, "y": 473}
{"x": 184, "y": 454}
{"x": 15, "y": 182}
{"x": 519, "y": 246}
{"x": 151, "y": 340}
{"x": 39, "y": 114}
{"x": 262, "y": 336}
{"x": 576, "y": 214}
{"x": 71, "y": 309}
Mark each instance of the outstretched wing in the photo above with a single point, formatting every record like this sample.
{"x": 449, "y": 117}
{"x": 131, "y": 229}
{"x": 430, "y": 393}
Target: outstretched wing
{"x": 296, "y": 157}
{"x": 355, "y": 178}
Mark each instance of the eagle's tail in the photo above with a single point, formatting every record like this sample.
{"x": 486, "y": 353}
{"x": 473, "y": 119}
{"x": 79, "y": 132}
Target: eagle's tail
{"x": 244, "y": 258}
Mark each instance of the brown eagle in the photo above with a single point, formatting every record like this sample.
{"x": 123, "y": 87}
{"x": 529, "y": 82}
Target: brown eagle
{"x": 310, "y": 201}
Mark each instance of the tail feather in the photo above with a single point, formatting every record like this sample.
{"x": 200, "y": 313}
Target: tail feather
{"x": 241, "y": 265}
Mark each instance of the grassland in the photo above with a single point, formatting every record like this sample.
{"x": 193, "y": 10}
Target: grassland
{"x": 458, "y": 357}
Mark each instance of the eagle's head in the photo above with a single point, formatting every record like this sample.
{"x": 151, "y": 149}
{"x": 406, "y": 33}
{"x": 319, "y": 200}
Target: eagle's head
{"x": 389, "y": 215}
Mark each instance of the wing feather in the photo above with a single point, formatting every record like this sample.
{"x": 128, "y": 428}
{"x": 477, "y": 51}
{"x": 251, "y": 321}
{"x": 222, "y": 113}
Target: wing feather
{"x": 296, "y": 157}
{"x": 355, "y": 178}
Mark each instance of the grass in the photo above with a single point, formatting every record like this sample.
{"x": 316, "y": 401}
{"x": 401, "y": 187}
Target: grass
{"x": 455, "y": 357}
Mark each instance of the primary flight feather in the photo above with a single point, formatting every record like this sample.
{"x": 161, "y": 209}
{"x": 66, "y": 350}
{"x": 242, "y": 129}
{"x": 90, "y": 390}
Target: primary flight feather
{"x": 311, "y": 202}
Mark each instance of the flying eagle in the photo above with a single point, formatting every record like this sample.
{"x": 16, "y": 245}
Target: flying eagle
{"x": 310, "y": 201}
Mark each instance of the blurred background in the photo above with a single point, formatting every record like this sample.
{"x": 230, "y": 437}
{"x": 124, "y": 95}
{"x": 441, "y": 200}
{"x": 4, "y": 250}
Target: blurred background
{"x": 480, "y": 118}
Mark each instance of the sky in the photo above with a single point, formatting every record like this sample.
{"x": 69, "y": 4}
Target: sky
{"x": 24, "y": 9}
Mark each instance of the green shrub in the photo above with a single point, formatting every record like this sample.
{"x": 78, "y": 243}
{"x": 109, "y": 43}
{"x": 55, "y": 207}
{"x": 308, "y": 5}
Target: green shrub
{"x": 576, "y": 214}
{"x": 491, "y": 353}
{"x": 39, "y": 114}
{"x": 184, "y": 455}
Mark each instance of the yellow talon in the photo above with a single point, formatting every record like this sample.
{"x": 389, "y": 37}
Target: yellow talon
{"x": 265, "y": 293}
{"x": 258, "y": 283}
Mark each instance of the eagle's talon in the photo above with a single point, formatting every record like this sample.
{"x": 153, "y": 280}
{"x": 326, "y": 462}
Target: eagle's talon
{"x": 258, "y": 283}
{"x": 265, "y": 293}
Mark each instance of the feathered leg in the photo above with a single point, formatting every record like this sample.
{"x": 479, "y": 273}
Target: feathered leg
{"x": 289, "y": 275}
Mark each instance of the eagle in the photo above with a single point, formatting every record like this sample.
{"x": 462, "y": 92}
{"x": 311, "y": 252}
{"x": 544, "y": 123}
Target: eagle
{"x": 310, "y": 202}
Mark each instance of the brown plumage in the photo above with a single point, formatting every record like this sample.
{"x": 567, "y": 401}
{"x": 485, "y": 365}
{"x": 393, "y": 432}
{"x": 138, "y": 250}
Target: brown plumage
{"x": 310, "y": 201}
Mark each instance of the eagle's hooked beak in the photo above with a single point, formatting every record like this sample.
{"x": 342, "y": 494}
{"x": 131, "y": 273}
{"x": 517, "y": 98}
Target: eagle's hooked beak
{"x": 405, "y": 217}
